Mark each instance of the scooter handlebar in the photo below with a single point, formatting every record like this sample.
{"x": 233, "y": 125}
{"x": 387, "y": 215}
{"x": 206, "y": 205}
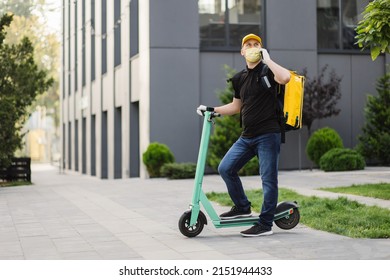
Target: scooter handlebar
{"x": 211, "y": 113}
{"x": 215, "y": 114}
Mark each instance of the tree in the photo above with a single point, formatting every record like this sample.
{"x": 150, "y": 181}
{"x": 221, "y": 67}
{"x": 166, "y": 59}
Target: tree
{"x": 23, "y": 8}
{"x": 373, "y": 31}
{"x": 374, "y": 142}
{"x": 46, "y": 56}
{"x": 227, "y": 129}
{"x": 34, "y": 19}
{"x": 46, "y": 46}
{"x": 320, "y": 97}
{"x": 8, "y": 134}
{"x": 20, "y": 82}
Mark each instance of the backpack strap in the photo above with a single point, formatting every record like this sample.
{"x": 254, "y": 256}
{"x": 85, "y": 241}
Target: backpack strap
{"x": 264, "y": 77}
{"x": 279, "y": 99}
{"x": 278, "y": 104}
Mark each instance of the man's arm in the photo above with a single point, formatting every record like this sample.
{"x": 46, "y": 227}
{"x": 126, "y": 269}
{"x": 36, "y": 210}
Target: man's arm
{"x": 232, "y": 108}
{"x": 281, "y": 74}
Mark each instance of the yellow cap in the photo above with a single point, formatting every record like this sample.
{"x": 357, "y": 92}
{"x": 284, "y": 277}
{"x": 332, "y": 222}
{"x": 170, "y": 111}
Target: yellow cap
{"x": 251, "y": 36}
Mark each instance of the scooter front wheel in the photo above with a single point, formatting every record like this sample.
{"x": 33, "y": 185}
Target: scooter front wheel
{"x": 290, "y": 221}
{"x": 194, "y": 230}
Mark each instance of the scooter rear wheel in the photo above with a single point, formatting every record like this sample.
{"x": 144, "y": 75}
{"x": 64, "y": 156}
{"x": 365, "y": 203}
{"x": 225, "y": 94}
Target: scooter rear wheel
{"x": 289, "y": 222}
{"x": 186, "y": 229}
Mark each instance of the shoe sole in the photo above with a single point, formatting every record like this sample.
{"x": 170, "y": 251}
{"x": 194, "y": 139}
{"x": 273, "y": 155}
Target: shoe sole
{"x": 260, "y": 234}
{"x": 235, "y": 217}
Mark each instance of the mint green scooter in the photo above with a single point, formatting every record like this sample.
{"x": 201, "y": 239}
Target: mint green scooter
{"x": 192, "y": 221}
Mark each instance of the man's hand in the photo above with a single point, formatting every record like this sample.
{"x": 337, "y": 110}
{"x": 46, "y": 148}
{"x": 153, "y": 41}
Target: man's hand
{"x": 265, "y": 55}
{"x": 202, "y": 108}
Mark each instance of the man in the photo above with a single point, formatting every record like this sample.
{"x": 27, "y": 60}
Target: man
{"x": 255, "y": 100}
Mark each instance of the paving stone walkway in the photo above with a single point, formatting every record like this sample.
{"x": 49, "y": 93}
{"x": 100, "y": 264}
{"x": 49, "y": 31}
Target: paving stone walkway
{"x": 73, "y": 216}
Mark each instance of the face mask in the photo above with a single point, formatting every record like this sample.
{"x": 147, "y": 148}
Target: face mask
{"x": 252, "y": 55}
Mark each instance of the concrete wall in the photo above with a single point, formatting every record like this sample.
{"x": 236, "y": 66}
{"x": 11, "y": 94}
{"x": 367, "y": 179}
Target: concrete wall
{"x": 174, "y": 71}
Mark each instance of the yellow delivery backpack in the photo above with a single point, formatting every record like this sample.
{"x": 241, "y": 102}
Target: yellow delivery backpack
{"x": 290, "y": 101}
{"x": 293, "y": 101}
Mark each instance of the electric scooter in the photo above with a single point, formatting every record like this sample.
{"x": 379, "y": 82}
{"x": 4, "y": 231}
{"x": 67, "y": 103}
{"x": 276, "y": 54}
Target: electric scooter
{"x": 192, "y": 221}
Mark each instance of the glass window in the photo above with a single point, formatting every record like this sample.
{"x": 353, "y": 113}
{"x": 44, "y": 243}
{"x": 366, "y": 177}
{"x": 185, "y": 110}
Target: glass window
{"x": 117, "y": 32}
{"x": 223, "y": 23}
{"x": 336, "y": 23}
{"x": 93, "y": 50}
{"x": 83, "y": 34}
{"x": 104, "y": 36}
{"x": 134, "y": 40}
{"x": 75, "y": 48}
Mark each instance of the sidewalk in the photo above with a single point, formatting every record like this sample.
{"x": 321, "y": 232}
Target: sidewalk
{"x": 72, "y": 216}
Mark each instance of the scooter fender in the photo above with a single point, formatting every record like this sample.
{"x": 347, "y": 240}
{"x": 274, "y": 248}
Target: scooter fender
{"x": 201, "y": 216}
{"x": 285, "y": 205}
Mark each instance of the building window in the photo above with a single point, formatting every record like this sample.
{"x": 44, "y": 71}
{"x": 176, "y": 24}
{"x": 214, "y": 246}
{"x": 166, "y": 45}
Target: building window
{"x": 104, "y": 36}
{"x": 93, "y": 51}
{"x": 134, "y": 40}
{"x": 70, "y": 145}
{"x": 223, "y": 23}
{"x": 63, "y": 50}
{"x": 75, "y": 48}
{"x": 117, "y": 32}
{"x": 63, "y": 146}
{"x": 93, "y": 145}
{"x": 336, "y": 23}
{"x": 69, "y": 51}
{"x": 76, "y": 145}
{"x": 83, "y": 39}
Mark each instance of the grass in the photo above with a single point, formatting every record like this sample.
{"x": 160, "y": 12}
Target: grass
{"x": 15, "y": 184}
{"x": 340, "y": 216}
{"x": 381, "y": 190}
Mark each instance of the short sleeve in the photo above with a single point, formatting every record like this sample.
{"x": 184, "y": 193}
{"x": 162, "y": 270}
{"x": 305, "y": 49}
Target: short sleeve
{"x": 236, "y": 84}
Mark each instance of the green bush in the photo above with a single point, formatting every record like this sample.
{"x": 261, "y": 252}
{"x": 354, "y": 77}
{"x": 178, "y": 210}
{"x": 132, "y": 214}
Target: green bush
{"x": 374, "y": 141}
{"x": 322, "y": 141}
{"x": 155, "y": 156}
{"x": 178, "y": 170}
{"x": 342, "y": 159}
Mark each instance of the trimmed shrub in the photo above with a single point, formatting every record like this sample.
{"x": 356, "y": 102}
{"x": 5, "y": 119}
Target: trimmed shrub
{"x": 178, "y": 170}
{"x": 322, "y": 141}
{"x": 155, "y": 156}
{"x": 374, "y": 141}
{"x": 342, "y": 159}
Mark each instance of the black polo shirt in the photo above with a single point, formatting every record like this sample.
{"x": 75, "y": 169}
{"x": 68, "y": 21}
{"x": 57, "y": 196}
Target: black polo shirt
{"x": 258, "y": 111}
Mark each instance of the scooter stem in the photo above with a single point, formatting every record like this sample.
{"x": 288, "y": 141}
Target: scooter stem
{"x": 200, "y": 166}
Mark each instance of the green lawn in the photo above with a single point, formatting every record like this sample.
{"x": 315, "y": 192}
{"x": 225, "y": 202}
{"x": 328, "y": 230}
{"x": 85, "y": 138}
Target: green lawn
{"x": 340, "y": 216}
{"x": 381, "y": 190}
{"x": 15, "y": 184}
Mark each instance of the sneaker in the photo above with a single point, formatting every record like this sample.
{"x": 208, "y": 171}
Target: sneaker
{"x": 256, "y": 230}
{"x": 235, "y": 213}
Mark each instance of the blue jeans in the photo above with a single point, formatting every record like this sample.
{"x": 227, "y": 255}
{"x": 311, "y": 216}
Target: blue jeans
{"x": 267, "y": 148}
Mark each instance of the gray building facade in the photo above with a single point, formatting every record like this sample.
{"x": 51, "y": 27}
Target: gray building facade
{"x": 134, "y": 71}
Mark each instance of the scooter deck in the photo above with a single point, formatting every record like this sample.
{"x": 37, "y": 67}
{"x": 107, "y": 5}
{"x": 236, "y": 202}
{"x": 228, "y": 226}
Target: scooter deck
{"x": 236, "y": 222}
{"x": 248, "y": 220}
